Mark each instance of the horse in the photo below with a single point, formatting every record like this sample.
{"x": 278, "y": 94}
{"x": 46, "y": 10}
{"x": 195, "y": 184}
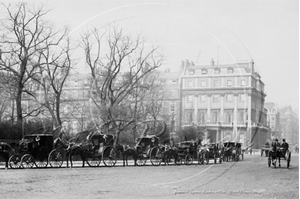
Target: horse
{"x": 5, "y": 150}
{"x": 276, "y": 154}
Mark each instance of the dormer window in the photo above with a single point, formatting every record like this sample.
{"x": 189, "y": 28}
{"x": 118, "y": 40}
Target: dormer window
{"x": 217, "y": 71}
{"x": 230, "y": 70}
{"x": 204, "y": 71}
{"x": 191, "y": 71}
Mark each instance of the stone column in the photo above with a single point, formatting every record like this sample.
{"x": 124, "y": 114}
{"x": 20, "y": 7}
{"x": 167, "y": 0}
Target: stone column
{"x": 208, "y": 107}
{"x": 222, "y": 109}
{"x": 235, "y": 134}
{"x": 249, "y": 122}
{"x": 196, "y": 108}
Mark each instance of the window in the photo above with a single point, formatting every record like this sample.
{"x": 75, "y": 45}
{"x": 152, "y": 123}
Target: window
{"x": 201, "y": 116}
{"x": 215, "y": 98}
{"x": 229, "y": 83}
{"x": 204, "y": 71}
{"x": 190, "y": 84}
{"x": 191, "y": 72}
{"x": 174, "y": 81}
{"x": 228, "y": 115}
{"x": 172, "y": 107}
{"x": 241, "y": 115}
{"x": 215, "y": 116}
{"x": 243, "y": 97}
{"x": 216, "y": 83}
{"x": 189, "y": 116}
{"x": 243, "y": 82}
{"x": 203, "y": 83}
{"x": 189, "y": 98}
{"x": 230, "y": 70}
{"x": 217, "y": 71}
{"x": 229, "y": 97}
{"x": 202, "y": 98}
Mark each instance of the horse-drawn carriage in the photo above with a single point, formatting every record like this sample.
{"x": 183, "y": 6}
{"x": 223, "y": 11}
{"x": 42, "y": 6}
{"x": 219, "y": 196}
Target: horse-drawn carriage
{"x": 210, "y": 151}
{"x": 187, "y": 152}
{"x": 94, "y": 149}
{"x": 38, "y": 150}
{"x": 265, "y": 149}
{"x": 233, "y": 151}
{"x": 279, "y": 153}
{"x": 147, "y": 147}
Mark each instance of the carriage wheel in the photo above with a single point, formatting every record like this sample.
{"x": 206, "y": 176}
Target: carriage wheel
{"x": 188, "y": 159}
{"x": 109, "y": 156}
{"x": 94, "y": 161}
{"x": 288, "y": 160}
{"x": 155, "y": 156}
{"x": 27, "y": 161}
{"x": 141, "y": 161}
{"x": 41, "y": 163}
{"x": 15, "y": 161}
{"x": 55, "y": 158}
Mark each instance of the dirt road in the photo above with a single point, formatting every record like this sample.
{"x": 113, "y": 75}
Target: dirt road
{"x": 250, "y": 178}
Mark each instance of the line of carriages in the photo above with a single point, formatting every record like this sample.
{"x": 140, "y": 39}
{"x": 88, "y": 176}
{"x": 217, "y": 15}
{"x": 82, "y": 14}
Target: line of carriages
{"x": 41, "y": 151}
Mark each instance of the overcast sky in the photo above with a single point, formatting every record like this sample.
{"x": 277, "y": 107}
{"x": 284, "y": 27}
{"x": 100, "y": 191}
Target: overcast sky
{"x": 228, "y": 31}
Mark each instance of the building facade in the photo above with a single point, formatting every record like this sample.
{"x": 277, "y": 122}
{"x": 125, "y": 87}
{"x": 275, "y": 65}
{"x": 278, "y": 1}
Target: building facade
{"x": 289, "y": 124}
{"x": 226, "y": 100}
{"x": 273, "y": 120}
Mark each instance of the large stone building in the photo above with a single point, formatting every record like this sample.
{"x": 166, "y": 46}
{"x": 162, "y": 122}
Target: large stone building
{"x": 289, "y": 124}
{"x": 273, "y": 120}
{"x": 226, "y": 100}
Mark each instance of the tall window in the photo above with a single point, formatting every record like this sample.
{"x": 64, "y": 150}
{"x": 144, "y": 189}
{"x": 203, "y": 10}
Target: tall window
{"x": 242, "y": 97}
{"x": 202, "y": 98}
{"x": 241, "y": 116}
{"x": 216, "y": 98}
{"x": 201, "y": 116}
{"x": 203, "y": 83}
{"x": 216, "y": 83}
{"x": 229, "y": 97}
{"x": 189, "y": 116}
{"x": 215, "y": 117}
{"x": 228, "y": 116}
{"x": 172, "y": 107}
{"x": 189, "y": 98}
{"x": 190, "y": 83}
{"x": 229, "y": 83}
{"x": 243, "y": 82}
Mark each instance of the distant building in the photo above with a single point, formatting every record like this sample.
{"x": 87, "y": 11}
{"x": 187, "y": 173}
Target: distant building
{"x": 289, "y": 123}
{"x": 273, "y": 119}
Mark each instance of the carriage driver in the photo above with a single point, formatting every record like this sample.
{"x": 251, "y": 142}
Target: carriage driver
{"x": 275, "y": 145}
{"x": 285, "y": 146}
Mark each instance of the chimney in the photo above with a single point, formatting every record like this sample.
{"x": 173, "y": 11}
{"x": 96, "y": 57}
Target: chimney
{"x": 212, "y": 62}
{"x": 251, "y": 66}
{"x": 187, "y": 63}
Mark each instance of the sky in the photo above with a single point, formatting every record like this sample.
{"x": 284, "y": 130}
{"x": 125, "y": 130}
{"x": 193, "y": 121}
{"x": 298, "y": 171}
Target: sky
{"x": 227, "y": 31}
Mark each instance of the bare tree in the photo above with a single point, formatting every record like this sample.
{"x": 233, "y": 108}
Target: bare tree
{"x": 121, "y": 70}
{"x": 26, "y": 37}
